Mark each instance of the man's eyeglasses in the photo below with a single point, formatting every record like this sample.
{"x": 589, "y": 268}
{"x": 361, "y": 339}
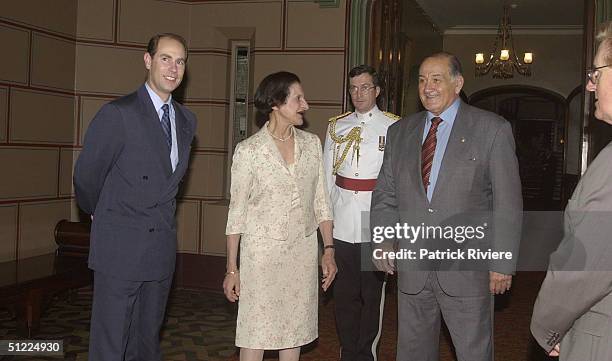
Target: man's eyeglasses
{"x": 361, "y": 89}
{"x": 594, "y": 73}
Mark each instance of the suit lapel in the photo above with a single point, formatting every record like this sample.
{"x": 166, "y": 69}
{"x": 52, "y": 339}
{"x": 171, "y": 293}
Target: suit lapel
{"x": 271, "y": 148}
{"x": 459, "y": 142}
{"x": 183, "y": 137}
{"x": 299, "y": 142}
{"x": 153, "y": 128}
{"x": 412, "y": 145}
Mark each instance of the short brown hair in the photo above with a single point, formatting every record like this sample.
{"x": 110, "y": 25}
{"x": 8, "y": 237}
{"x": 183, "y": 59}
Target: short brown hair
{"x": 152, "y": 46}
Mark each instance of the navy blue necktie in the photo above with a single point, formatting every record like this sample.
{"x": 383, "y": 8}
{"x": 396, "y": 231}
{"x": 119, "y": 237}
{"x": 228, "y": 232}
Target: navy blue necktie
{"x": 165, "y": 121}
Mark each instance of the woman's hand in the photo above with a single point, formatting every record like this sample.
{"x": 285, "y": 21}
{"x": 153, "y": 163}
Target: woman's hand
{"x": 231, "y": 286}
{"x": 328, "y": 263}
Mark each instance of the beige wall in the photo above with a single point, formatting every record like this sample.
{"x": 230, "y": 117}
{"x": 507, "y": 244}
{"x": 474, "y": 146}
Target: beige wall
{"x": 423, "y": 39}
{"x": 557, "y": 60}
{"x": 37, "y": 123}
{"x": 63, "y": 67}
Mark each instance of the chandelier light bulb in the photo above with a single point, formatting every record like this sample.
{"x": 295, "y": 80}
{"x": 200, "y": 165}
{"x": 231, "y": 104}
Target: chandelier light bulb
{"x": 479, "y": 58}
{"x": 528, "y": 58}
{"x": 504, "y": 55}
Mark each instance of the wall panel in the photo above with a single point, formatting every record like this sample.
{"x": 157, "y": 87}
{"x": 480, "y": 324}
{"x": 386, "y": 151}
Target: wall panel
{"x": 37, "y": 179}
{"x": 95, "y": 19}
{"x": 205, "y": 175}
{"x": 188, "y": 226}
{"x": 39, "y": 117}
{"x": 3, "y": 113}
{"x": 52, "y": 62}
{"x": 105, "y": 69}
{"x": 321, "y": 74}
{"x": 36, "y": 224}
{"x": 14, "y": 67}
{"x": 212, "y": 125}
{"x": 140, "y": 19}
{"x": 214, "y": 219}
{"x": 318, "y": 117}
{"x": 210, "y": 19}
{"x": 57, "y": 15}
{"x": 89, "y": 108}
{"x": 67, "y": 159}
{"x": 309, "y": 26}
{"x": 207, "y": 77}
{"x": 8, "y": 232}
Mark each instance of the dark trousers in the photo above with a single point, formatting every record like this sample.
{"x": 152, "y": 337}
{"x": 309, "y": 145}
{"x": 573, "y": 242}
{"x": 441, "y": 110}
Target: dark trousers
{"x": 126, "y": 318}
{"x": 357, "y": 295}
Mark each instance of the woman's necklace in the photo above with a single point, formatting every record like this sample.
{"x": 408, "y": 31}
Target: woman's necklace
{"x": 279, "y": 138}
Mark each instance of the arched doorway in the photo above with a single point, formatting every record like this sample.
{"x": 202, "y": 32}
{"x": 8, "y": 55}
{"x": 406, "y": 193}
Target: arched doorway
{"x": 538, "y": 117}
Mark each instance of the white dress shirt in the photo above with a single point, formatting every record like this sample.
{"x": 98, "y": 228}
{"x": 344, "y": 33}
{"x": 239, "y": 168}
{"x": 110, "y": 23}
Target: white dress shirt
{"x": 158, "y": 103}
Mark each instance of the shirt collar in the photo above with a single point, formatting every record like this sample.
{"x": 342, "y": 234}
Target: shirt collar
{"x": 448, "y": 116}
{"x": 369, "y": 114}
{"x": 157, "y": 101}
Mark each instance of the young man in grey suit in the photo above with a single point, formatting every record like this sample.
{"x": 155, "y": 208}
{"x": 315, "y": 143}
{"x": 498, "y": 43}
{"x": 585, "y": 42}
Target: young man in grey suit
{"x": 135, "y": 154}
{"x": 450, "y": 166}
{"x": 572, "y": 316}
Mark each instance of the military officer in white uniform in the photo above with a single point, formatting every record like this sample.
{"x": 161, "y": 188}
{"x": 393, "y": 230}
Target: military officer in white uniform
{"x": 353, "y": 155}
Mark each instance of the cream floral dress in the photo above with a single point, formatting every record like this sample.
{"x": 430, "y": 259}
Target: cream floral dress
{"x": 278, "y": 305}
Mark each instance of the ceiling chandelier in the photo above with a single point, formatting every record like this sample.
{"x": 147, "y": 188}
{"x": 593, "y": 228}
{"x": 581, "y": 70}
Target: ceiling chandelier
{"x": 503, "y": 61}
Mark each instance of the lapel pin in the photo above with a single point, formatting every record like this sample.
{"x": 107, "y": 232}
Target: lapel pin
{"x": 462, "y": 140}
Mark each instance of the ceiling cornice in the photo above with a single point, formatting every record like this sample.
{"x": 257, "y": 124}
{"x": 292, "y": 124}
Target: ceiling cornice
{"x": 516, "y": 29}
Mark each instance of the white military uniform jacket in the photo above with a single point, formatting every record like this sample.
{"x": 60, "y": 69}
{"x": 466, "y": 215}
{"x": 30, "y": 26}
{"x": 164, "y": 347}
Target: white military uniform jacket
{"x": 351, "y": 207}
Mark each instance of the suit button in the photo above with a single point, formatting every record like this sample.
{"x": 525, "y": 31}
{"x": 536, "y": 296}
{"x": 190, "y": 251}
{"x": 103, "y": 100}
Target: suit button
{"x": 151, "y": 229}
{"x": 430, "y": 210}
{"x": 145, "y": 177}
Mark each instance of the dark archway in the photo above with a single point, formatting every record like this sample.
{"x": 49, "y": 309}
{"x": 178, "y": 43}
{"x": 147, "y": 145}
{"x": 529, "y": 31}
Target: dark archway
{"x": 539, "y": 121}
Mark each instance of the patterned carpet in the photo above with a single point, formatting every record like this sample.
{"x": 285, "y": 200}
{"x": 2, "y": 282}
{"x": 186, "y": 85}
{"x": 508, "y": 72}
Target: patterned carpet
{"x": 200, "y": 326}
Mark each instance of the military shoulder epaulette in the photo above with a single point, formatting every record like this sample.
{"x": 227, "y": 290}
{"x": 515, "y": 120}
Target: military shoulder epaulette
{"x": 339, "y": 116}
{"x": 392, "y": 116}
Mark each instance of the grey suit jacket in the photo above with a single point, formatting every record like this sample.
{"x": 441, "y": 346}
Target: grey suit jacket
{"x": 574, "y": 305}
{"x": 124, "y": 178}
{"x": 478, "y": 179}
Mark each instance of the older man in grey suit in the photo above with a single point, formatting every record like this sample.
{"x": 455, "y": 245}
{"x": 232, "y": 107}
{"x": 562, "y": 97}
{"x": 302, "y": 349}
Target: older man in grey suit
{"x": 135, "y": 154}
{"x": 572, "y": 316}
{"x": 450, "y": 165}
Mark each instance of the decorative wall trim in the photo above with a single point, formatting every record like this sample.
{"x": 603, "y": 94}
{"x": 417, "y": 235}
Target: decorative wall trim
{"x": 516, "y": 30}
{"x": 19, "y": 201}
{"x": 312, "y": 50}
{"x": 38, "y": 145}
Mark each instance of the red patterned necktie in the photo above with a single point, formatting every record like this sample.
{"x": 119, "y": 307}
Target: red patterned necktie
{"x": 428, "y": 150}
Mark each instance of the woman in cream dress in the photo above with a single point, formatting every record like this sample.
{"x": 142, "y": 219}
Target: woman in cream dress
{"x": 278, "y": 198}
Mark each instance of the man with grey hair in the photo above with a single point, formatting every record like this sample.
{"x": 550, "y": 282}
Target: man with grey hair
{"x": 439, "y": 166}
{"x": 572, "y": 316}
